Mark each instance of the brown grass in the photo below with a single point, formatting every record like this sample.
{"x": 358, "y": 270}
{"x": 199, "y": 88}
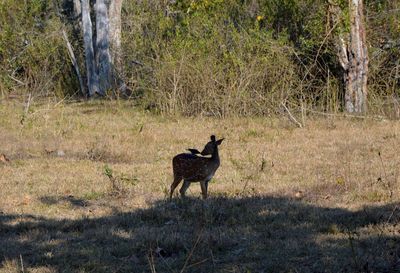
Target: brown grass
{"x": 86, "y": 187}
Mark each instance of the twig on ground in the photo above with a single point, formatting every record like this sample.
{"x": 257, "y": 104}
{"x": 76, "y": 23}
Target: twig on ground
{"x": 26, "y": 109}
{"x": 151, "y": 262}
{"x": 375, "y": 117}
{"x": 391, "y": 214}
{"x": 291, "y": 117}
{"x": 18, "y": 81}
{"x": 74, "y": 62}
{"x": 191, "y": 252}
{"x": 22, "y": 264}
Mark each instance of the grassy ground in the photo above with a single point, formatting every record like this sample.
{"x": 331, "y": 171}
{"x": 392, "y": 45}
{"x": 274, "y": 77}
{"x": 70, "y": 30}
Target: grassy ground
{"x": 85, "y": 190}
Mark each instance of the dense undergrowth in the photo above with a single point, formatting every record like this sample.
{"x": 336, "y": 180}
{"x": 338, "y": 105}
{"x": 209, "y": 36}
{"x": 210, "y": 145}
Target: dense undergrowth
{"x": 207, "y": 57}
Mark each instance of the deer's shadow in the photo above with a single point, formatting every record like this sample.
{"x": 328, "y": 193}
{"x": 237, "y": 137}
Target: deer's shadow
{"x": 257, "y": 234}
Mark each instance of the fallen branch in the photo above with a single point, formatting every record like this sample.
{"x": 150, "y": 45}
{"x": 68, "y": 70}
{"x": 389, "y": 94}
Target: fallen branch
{"x": 341, "y": 115}
{"x": 191, "y": 253}
{"x": 291, "y": 117}
{"x": 74, "y": 62}
{"x": 22, "y": 264}
{"x": 26, "y": 109}
{"x": 380, "y": 118}
{"x": 18, "y": 81}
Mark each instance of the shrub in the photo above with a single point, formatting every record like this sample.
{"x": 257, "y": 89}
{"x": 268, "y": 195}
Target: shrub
{"x": 33, "y": 56}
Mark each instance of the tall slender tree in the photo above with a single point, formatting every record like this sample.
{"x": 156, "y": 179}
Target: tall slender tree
{"x": 91, "y": 73}
{"x": 102, "y": 42}
{"x": 352, "y": 54}
{"x": 103, "y": 59}
{"x": 356, "y": 91}
{"x": 115, "y": 33}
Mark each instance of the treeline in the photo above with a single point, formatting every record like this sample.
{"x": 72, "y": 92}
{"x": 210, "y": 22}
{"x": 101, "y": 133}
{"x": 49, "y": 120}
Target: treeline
{"x": 209, "y": 57}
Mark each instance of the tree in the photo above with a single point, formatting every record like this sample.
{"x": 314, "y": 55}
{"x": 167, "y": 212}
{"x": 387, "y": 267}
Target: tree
{"x": 103, "y": 59}
{"x": 101, "y": 41}
{"x": 352, "y": 53}
{"x": 115, "y": 33}
{"x": 91, "y": 73}
{"x": 356, "y": 87}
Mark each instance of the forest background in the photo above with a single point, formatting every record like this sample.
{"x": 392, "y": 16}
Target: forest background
{"x": 207, "y": 57}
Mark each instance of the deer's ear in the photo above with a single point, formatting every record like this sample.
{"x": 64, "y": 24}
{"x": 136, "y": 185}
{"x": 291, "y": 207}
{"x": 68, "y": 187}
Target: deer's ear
{"x": 194, "y": 151}
{"x": 220, "y": 141}
{"x": 212, "y": 138}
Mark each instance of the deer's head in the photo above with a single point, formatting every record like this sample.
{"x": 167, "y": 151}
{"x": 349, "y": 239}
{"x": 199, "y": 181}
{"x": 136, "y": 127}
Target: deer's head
{"x": 211, "y": 146}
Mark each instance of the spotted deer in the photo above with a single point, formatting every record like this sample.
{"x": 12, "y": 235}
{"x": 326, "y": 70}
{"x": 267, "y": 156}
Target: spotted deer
{"x": 193, "y": 168}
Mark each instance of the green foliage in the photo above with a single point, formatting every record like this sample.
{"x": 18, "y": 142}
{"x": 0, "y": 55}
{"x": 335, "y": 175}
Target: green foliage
{"x": 384, "y": 39}
{"x": 108, "y": 171}
{"x": 231, "y": 57}
{"x": 33, "y": 57}
{"x": 205, "y": 60}
{"x": 212, "y": 57}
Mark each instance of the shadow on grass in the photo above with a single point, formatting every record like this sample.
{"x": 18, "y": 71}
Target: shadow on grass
{"x": 73, "y": 201}
{"x": 251, "y": 234}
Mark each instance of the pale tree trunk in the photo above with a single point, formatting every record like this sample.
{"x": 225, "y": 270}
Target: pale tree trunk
{"x": 99, "y": 61}
{"x": 356, "y": 92}
{"x": 352, "y": 54}
{"x": 77, "y": 7}
{"x": 115, "y": 33}
{"x": 92, "y": 78}
{"x": 103, "y": 58}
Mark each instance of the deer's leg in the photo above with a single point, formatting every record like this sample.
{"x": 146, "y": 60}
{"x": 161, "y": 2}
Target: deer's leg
{"x": 203, "y": 189}
{"x": 184, "y": 187}
{"x": 207, "y": 185}
{"x": 174, "y": 184}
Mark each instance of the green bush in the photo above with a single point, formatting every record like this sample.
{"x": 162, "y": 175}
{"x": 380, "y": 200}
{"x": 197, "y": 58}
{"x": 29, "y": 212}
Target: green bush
{"x": 201, "y": 60}
{"x": 209, "y": 57}
{"x": 33, "y": 56}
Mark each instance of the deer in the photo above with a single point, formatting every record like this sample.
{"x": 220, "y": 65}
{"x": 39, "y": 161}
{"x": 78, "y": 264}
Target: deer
{"x": 190, "y": 167}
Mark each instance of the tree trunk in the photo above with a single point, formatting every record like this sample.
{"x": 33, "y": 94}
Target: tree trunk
{"x": 77, "y": 7}
{"x": 102, "y": 46}
{"x": 92, "y": 78}
{"x": 352, "y": 54}
{"x": 356, "y": 87}
{"x": 115, "y": 33}
{"x": 99, "y": 61}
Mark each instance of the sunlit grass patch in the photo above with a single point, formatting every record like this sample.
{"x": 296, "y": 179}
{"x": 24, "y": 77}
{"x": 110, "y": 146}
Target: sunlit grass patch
{"x": 86, "y": 189}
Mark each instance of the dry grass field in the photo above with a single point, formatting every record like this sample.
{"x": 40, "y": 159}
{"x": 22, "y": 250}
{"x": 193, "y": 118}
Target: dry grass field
{"x": 85, "y": 189}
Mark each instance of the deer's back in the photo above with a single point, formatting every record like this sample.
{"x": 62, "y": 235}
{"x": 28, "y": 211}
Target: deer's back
{"x": 194, "y": 168}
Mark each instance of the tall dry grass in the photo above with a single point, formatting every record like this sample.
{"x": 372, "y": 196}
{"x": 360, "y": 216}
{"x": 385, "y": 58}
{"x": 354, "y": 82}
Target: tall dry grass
{"x": 242, "y": 85}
